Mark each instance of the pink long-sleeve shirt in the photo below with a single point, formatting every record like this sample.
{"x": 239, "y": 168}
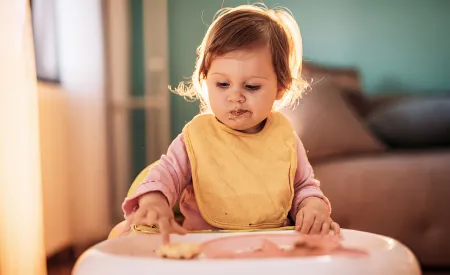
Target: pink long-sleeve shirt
{"x": 172, "y": 176}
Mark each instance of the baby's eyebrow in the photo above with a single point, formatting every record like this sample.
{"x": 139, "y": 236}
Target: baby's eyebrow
{"x": 251, "y": 77}
{"x": 260, "y": 77}
{"x": 219, "y": 74}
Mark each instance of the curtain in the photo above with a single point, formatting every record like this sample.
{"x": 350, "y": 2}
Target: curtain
{"x": 21, "y": 219}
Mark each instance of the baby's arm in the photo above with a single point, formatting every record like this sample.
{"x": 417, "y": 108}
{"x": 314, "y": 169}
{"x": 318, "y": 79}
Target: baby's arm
{"x": 310, "y": 209}
{"x": 305, "y": 185}
{"x": 170, "y": 176}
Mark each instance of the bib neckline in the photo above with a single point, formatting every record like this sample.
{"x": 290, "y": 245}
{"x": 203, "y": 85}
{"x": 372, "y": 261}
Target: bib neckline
{"x": 230, "y": 130}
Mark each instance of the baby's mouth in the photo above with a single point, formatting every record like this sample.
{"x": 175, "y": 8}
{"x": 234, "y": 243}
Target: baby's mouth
{"x": 233, "y": 115}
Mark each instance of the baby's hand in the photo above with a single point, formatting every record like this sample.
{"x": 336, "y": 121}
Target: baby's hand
{"x": 155, "y": 210}
{"x": 313, "y": 217}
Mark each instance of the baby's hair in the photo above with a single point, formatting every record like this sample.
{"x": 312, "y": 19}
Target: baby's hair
{"x": 246, "y": 27}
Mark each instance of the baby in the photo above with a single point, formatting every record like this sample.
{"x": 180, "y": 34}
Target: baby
{"x": 239, "y": 164}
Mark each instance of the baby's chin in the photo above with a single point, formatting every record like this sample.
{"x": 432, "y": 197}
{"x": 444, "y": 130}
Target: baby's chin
{"x": 246, "y": 127}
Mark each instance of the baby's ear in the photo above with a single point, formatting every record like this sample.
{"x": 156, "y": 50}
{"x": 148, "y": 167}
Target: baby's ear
{"x": 280, "y": 93}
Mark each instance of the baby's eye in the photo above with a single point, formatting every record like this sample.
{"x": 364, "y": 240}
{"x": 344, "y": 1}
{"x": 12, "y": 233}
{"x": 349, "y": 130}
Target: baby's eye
{"x": 252, "y": 87}
{"x": 222, "y": 84}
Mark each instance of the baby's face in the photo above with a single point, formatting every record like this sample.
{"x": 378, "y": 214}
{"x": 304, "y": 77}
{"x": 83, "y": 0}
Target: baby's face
{"x": 242, "y": 87}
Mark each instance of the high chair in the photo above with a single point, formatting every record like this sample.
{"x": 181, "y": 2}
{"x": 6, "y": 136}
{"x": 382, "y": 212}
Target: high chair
{"x": 135, "y": 254}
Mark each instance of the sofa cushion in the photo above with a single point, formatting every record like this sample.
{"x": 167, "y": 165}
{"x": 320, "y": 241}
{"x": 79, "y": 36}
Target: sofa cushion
{"x": 346, "y": 79}
{"x": 402, "y": 194}
{"x": 327, "y": 125}
{"x": 343, "y": 78}
{"x": 413, "y": 122}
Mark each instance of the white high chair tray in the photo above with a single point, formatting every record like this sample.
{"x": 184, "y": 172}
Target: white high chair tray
{"x": 134, "y": 254}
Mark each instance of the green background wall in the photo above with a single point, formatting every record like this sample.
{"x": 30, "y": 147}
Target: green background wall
{"x": 137, "y": 116}
{"x": 398, "y": 45}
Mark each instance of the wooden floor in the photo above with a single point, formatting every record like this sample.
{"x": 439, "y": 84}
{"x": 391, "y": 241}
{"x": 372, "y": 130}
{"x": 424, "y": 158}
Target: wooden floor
{"x": 63, "y": 262}
{"x": 439, "y": 272}
{"x": 60, "y": 270}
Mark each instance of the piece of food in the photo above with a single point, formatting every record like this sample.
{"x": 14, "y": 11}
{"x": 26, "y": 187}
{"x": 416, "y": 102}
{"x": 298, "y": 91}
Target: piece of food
{"x": 260, "y": 246}
{"x": 325, "y": 243}
{"x": 179, "y": 251}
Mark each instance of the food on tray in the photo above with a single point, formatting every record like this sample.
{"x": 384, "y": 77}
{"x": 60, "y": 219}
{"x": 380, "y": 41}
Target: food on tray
{"x": 326, "y": 243}
{"x": 179, "y": 251}
{"x": 260, "y": 246}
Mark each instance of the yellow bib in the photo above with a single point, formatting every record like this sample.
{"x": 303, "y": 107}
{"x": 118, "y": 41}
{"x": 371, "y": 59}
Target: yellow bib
{"x": 242, "y": 181}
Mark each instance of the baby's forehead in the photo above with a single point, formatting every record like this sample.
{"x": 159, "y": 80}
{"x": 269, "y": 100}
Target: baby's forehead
{"x": 258, "y": 56}
{"x": 231, "y": 48}
{"x": 247, "y": 53}
{"x": 243, "y": 65}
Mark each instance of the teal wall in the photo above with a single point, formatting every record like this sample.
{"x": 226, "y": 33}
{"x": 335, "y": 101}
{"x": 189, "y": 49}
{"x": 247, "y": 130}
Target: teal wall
{"x": 137, "y": 116}
{"x": 398, "y": 45}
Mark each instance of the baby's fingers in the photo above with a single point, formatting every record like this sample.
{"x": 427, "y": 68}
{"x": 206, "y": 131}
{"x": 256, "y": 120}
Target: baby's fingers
{"x": 325, "y": 229}
{"x": 308, "y": 220}
{"x": 317, "y": 225}
{"x": 168, "y": 226}
{"x": 136, "y": 217}
{"x": 299, "y": 220}
{"x": 129, "y": 220}
{"x": 164, "y": 229}
{"x": 336, "y": 228}
{"x": 177, "y": 228}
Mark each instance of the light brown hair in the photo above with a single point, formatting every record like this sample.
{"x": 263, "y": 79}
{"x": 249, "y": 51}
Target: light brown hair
{"x": 245, "y": 27}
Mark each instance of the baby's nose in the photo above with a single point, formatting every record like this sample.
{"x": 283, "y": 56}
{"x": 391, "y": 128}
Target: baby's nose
{"x": 234, "y": 95}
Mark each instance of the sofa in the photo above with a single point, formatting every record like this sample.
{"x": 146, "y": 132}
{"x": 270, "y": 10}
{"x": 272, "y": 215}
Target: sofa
{"x": 383, "y": 161}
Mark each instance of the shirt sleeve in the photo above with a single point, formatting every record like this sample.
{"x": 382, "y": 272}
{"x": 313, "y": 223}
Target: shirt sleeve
{"x": 305, "y": 185}
{"x": 170, "y": 176}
